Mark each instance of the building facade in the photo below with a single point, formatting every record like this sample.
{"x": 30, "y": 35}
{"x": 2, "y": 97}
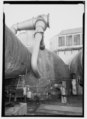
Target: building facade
{"x": 67, "y": 43}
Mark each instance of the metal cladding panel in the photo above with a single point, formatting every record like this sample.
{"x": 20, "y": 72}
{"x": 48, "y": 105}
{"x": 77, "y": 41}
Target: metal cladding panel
{"x": 52, "y": 70}
{"x": 61, "y": 69}
{"x": 17, "y": 56}
{"x": 52, "y": 67}
{"x": 76, "y": 64}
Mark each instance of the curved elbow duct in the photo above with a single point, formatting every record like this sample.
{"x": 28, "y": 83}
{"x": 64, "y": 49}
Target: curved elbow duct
{"x": 41, "y": 25}
{"x": 38, "y": 24}
{"x": 34, "y": 57}
{"x": 30, "y": 24}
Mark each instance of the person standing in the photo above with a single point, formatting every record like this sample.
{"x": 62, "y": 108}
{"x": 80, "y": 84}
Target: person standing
{"x": 74, "y": 86}
{"x": 29, "y": 94}
{"x": 63, "y": 92}
{"x": 24, "y": 92}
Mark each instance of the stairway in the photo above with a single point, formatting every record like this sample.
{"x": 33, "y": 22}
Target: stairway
{"x": 21, "y": 83}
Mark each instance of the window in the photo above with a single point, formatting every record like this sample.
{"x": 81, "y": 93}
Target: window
{"x": 62, "y": 41}
{"x": 77, "y": 39}
{"x": 69, "y": 40}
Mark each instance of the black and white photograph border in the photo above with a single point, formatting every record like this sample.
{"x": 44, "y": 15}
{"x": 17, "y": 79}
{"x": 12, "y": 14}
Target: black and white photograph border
{"x": 52, "y": 35}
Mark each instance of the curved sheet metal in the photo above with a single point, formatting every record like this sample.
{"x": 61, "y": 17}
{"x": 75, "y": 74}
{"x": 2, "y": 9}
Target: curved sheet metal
{"x": 76, "y": 66}
{"x": 17, "y": 56}
{"x": 52, "y": 70}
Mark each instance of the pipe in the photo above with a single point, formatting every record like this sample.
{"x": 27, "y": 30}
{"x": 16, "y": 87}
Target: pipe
{"x": 34, "y": 57}
{"x": 30, "y": 24}
{"x": 39, "y": 24}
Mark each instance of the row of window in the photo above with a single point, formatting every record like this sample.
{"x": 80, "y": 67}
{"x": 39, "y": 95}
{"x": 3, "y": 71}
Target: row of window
{"x": 69, "y": 40}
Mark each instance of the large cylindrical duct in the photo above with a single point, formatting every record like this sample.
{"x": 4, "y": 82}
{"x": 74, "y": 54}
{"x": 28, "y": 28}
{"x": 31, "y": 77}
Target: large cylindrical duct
{"x": 17, "y": 56}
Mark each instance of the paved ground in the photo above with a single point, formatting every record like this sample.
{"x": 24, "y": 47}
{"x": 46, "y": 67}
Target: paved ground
{"x": 54, "y": 107}
{"x": 56, "y": 110}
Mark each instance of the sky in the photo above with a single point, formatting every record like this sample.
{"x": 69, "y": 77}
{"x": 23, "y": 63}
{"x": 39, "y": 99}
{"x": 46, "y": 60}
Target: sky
{"x": 62, "y": 17}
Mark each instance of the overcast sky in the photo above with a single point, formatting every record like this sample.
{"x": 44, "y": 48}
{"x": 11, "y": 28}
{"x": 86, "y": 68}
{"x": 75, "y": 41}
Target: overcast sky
{"x": 61, "y": 16}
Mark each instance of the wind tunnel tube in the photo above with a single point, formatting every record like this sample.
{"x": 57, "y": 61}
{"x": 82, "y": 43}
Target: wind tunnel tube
{"x": 48, "y": 65}
{"x": 17, "y": 56}
{"x": 52, "y": 71}
{"x": 76, "y": 66}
